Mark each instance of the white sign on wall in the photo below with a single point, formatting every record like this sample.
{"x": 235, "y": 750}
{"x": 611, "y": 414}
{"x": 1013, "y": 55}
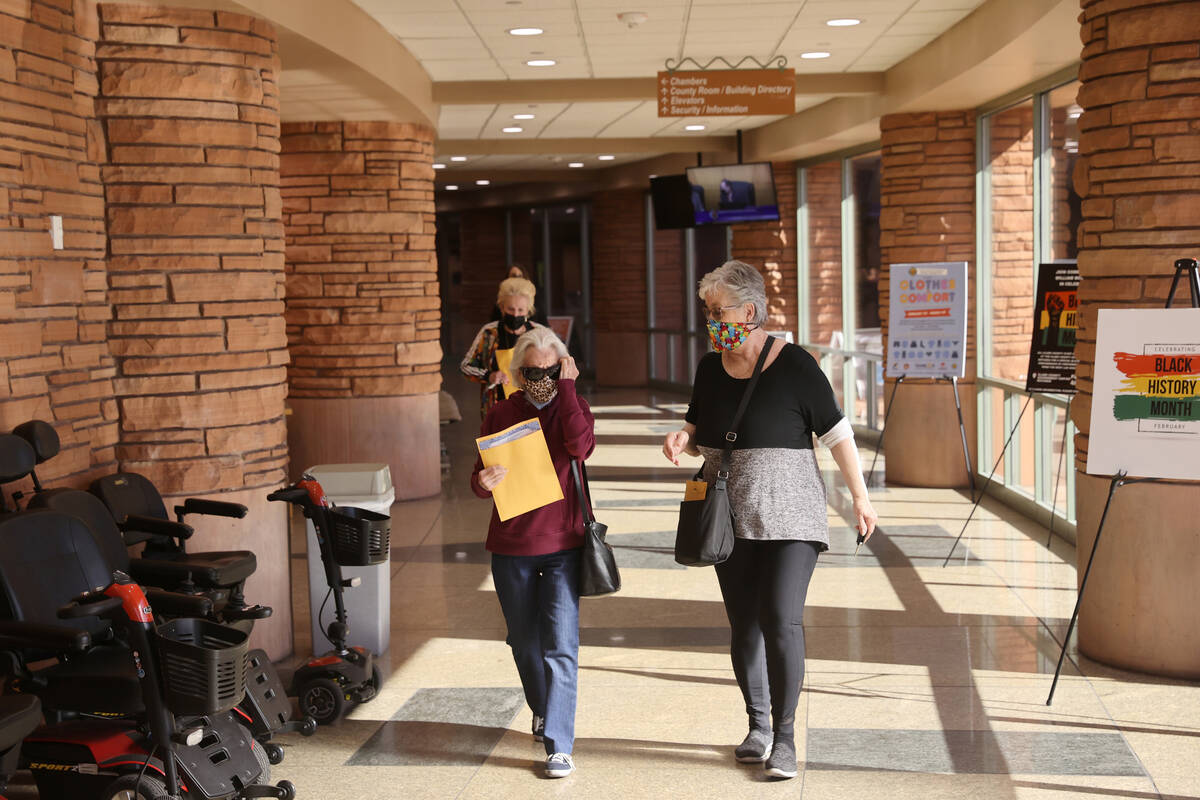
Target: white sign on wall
{"x": 1146, "y": 396}
{"x": 927, "y": 322}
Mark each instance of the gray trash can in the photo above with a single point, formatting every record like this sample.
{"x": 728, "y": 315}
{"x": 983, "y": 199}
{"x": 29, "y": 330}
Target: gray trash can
{"x": 368, "y": 605}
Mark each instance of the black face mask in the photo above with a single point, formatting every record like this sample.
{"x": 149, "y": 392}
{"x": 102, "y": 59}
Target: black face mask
{"x": 513, "y": 323}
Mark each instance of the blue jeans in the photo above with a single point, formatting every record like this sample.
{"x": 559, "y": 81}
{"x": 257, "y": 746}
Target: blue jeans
{"x": 540, "y": 599}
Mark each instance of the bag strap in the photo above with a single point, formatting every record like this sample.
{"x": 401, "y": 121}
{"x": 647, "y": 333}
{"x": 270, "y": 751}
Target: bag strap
{"x": 584, "y": 506}
{"x": 731, "y": 436}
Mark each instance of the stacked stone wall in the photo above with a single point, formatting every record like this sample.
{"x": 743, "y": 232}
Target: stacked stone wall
{"x": 823, "y": 184}
{"x": 190, "y": 112}
{"x": 771, "y": 247}
{"x": 363, "y": 307}
{"x": 55, "y": 363}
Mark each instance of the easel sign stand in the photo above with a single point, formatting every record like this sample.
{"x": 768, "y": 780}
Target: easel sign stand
{"x": 953, "y": 381}
{"x": 1182, "y": 266}
{"x": 927, "y": 336}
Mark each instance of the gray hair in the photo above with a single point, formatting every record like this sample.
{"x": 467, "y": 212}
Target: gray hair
{"x": 541, "y": 338}
{"x": 741, "y": 282}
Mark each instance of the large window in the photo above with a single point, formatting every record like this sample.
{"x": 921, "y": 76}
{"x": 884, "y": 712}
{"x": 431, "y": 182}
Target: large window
{"x": 840, "y": 268}
{"x": 1028, "y": 213}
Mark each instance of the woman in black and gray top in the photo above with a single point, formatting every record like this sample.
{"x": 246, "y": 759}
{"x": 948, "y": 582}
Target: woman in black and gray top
{"x": 777, "y": 495}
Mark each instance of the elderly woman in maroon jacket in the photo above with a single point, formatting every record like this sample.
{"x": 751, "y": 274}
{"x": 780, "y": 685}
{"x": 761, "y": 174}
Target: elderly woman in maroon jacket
{"x": 535, "y": 556}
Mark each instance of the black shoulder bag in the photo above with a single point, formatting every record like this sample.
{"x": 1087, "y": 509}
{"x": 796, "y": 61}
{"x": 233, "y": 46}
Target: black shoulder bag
{"x": 705, "y": 533}
{"x": 598, "y": 572}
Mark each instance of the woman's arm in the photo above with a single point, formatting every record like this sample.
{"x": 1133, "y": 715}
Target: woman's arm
{"x": 680, "y": 441}
{"x": 476, "y": 362}
{"x": 845, "y": 453}
{"x": 576, "y": 422}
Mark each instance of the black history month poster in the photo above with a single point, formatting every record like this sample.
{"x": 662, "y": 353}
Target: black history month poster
{"x": 1146, "y": 400}
{"x": 1052, "y": 353}
{"x": 927, "y": 322}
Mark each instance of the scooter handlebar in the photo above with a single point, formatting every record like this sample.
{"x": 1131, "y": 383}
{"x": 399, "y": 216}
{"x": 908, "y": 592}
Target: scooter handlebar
{"x": 290, "y": 494}
{"x": 89, "y": 604}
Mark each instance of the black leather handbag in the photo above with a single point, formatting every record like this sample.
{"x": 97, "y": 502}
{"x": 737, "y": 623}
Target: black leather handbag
{"x": 598, "y": 573}
{"x": 705, "y": 532}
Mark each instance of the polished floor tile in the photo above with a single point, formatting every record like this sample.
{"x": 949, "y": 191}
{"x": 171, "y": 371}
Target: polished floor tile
{"x": 923, "y": 681}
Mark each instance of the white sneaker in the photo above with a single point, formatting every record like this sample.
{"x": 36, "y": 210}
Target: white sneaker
{"x": 559, "y": 765}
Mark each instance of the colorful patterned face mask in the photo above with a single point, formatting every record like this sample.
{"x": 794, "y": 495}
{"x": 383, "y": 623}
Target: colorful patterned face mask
{"x": 543, "y": 391}
{"x": 729, "y": 335}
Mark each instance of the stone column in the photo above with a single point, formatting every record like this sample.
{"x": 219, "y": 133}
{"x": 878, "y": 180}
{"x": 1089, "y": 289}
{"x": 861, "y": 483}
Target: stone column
{"x": 363, "y": 309}
{"x": 771, "y": 247}
{"x": 54, "y": 361}
{"x": 928, "y": 214}
{"x": 619, "y": 298}
{"x": 190, "y": 108}
{"x": 1138, "y": 173}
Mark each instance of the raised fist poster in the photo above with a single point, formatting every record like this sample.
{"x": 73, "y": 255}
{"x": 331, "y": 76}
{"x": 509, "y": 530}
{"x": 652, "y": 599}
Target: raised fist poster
{"x": 1052, "y": 352}
{"x": 927, "y": 322}
{"x": 1146, "y": 400}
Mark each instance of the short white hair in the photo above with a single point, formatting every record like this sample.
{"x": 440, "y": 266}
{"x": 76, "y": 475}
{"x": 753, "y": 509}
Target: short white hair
{"x": 741, "y": 282}
{"x": 541, "y": 338}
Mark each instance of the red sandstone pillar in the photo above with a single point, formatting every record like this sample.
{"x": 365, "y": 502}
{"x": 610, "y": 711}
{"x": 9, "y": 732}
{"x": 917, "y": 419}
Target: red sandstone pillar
{"x": 1139, "y": 164}
{"x": 190, "y": 109}
{"x": 54, "y": 361}
{"x": 619, "y": 290}
{"x": 928, "y": 214}
{"x": 363, "y": 310}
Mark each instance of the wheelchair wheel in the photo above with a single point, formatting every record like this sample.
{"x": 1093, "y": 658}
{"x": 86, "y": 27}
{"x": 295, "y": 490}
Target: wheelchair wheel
{"x": 323, "y": 700}
{"x": 376, "y": 681}
{"x": 264, "y": 763}
{"x": 131, "y": 787}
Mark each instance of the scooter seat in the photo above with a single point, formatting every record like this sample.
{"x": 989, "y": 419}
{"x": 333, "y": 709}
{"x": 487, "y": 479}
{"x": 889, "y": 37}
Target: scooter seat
{"x": 19, "y": 715}
{"x": 215, "y": 570}
{"x": 101, "y": 681}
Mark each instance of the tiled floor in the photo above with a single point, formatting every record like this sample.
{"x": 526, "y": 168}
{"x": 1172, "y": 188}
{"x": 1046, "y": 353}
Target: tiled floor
{"x": 923, "y": 681}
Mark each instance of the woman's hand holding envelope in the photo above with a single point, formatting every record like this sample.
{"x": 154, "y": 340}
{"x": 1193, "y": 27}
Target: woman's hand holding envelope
{"x": 490, "y": 477}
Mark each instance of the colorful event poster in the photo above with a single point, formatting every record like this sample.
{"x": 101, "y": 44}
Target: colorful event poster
{"x": 1146, "y": 398}
{"x": 927, "y": 326}
{"x": 1052, "y": 353}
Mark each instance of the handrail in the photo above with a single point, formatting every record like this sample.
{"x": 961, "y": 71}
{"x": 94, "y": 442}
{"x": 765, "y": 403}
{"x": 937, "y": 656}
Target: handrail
{"x": 1057, "y": 400}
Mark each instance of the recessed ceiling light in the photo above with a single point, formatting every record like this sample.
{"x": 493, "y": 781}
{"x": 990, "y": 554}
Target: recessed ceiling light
{"x": 842, "y": 23}
{"x": 525, "y": 31}
{"x": 522, "y": 116}
{"x": 458, "y": 158}
{"x": 512, "y": 129}
{"x": 482, "y": 182}
{"x": 540, "y": 62}
{"x": 815, "y": 54}
{"x": 451, "y": 187}
{"x": 439, "y": 166}
{"x": 693, "y": 127}
{"x": 606, "y": 158}
{"x": 571, "y": 210}
{"x": 575, "y": 164}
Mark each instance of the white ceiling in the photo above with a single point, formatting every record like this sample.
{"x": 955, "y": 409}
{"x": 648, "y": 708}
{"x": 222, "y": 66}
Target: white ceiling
{"x": 467, "y": 40}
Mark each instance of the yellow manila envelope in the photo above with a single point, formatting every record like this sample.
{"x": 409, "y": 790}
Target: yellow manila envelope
{"x": 531, "y": 481}
{"x": 503, "y": 363}
{"x": 695, "y": 490}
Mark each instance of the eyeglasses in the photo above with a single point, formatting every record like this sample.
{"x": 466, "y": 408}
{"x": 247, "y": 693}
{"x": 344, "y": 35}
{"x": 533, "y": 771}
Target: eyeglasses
{"x": 717, "y": 313}
{"x": 535, "y": 374}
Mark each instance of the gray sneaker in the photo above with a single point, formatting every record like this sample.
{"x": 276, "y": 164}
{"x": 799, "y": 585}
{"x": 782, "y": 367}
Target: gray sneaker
{"x": 539, "y": 728}
{"x": 782, "y": 762}
{"x": 755, "y": 748}
{"x": 559, "y": 765}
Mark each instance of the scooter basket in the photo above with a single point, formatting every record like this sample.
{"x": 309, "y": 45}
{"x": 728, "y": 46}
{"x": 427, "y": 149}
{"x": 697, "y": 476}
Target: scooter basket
{"x": 360, "y": 537}
{"x": 203, "y": 666}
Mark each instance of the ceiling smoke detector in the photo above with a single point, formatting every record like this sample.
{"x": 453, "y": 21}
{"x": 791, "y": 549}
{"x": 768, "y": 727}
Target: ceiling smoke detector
{"x": 633, "y": 18}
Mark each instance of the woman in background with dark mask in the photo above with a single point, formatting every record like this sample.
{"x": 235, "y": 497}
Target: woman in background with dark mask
{"x": 514, "y": 301}
{"x": 535, "y": 555}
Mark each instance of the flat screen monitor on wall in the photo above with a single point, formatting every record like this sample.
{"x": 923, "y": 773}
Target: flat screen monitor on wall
{"x": 671, "y": 196}
{"x": 733, "y": 193}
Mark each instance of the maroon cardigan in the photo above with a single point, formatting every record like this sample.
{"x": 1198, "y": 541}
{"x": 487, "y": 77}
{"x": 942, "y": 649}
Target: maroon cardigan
{"x": 569, "y": 428}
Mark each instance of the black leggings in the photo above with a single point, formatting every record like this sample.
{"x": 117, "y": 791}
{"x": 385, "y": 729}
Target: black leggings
{"x": 764, "y": 584}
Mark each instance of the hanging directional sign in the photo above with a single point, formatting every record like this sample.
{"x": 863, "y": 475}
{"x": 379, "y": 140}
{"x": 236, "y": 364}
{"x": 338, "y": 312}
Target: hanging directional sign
{"x": 726, "y": 92}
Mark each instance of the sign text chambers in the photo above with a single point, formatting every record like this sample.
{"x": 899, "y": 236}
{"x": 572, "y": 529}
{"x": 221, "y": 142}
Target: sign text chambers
{"x": 726, "y": 93}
